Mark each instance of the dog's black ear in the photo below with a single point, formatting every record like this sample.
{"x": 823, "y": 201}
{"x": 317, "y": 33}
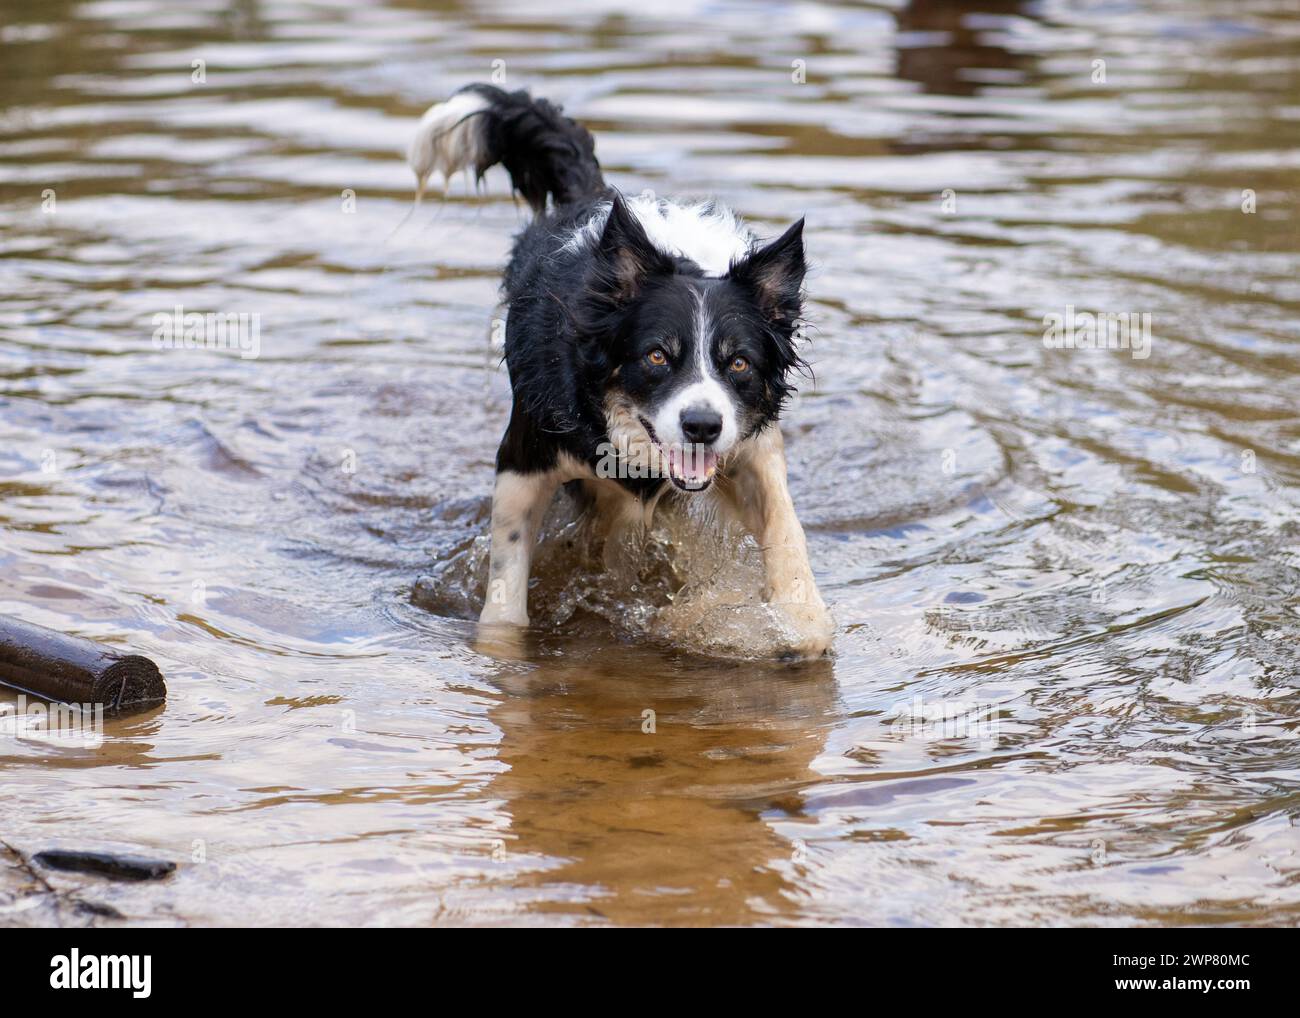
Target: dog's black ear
{"x": 773, "y": 275}
{"x": 625, "y": 259}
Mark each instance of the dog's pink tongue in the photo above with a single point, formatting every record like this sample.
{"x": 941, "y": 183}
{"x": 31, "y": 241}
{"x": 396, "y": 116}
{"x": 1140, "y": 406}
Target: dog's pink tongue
{"x": 693, "y": 462}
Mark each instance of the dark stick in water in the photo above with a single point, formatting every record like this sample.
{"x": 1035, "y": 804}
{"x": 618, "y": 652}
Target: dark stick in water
{"x": 105, "y": 864}
{"x": 68, "y": 669}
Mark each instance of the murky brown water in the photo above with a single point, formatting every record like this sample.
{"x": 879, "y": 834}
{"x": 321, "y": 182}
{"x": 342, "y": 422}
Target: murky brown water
{"x": 1101, "y": 552}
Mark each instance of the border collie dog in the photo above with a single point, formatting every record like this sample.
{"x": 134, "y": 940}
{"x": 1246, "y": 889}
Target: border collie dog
{"x": 649, "y": 344}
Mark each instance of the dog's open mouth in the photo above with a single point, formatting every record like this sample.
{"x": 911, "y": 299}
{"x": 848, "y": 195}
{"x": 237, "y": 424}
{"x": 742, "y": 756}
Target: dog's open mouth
{"x": 690, "y": 467}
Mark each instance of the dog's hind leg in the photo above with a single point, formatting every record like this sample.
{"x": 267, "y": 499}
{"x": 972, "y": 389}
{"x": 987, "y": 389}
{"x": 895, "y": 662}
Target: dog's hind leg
{"x": 755, "y": 488}
{"x": 518, "y": 505}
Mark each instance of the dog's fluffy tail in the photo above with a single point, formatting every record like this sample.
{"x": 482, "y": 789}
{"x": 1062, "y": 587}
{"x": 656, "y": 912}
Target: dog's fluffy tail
{"x": 544, "y": 151}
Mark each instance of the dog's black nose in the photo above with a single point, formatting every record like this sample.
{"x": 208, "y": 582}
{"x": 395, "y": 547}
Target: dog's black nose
{"x": 701, "y": 425}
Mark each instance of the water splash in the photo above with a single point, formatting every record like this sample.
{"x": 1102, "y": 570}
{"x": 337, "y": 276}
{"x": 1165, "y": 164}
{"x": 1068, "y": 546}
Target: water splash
{"x": 690, "y": 580}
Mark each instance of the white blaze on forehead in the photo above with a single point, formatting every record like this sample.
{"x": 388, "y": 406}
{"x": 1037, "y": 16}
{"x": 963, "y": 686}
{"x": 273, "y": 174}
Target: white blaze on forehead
{"x": 708, "y": 234}
{"x": 705, "y": 391}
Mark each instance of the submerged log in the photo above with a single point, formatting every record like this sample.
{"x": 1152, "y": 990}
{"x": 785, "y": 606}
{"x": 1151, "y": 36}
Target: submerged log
{"x": 106, "y": 864}
{"x": 68, "y": 669}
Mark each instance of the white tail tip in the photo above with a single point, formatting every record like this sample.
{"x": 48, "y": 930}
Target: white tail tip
{"x": 449, "y": 138}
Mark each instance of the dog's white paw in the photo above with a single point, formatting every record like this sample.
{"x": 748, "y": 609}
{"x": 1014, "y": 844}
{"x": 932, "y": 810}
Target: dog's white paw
{"x": 811, "y": 630}
{"x": 505, "y": 641}
{"x": 494, "y": 614}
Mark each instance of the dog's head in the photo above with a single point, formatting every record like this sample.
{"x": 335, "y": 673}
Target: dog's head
{"x": 698, "y": 363}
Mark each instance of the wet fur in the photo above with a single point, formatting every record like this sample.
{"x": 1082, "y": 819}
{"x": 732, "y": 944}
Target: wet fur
{"x": 578, "y": 320}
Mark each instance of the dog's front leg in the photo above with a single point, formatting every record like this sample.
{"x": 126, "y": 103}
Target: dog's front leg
{"x": 518, "y": 504}
{"x": 755, "y": 485}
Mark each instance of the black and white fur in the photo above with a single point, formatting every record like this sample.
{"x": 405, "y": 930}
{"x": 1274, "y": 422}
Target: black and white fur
{"x": 650, "y": 346}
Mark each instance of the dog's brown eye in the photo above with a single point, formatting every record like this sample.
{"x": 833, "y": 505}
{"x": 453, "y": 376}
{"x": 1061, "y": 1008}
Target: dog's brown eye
{"x": 657, "y": 357}
{"x": 739, "y": 364}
